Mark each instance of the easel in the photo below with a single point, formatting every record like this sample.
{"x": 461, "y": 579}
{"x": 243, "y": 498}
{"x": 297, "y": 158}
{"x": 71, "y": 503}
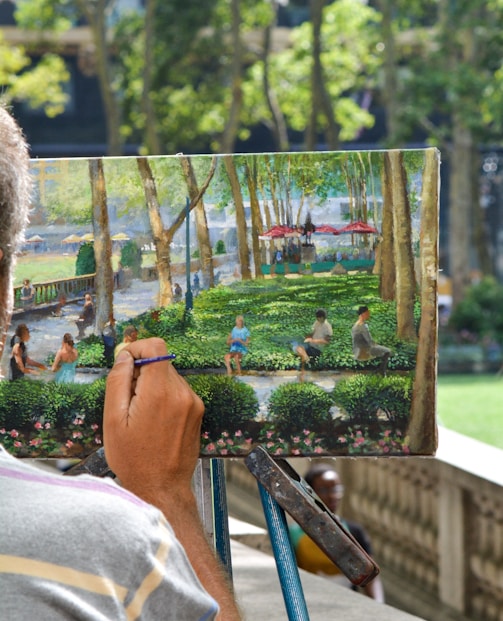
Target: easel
{"x": 281, "y": 489}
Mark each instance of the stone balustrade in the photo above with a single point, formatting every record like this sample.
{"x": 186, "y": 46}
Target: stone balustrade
{"x": 51, "y": 291}
{"x": 436, "y": 525}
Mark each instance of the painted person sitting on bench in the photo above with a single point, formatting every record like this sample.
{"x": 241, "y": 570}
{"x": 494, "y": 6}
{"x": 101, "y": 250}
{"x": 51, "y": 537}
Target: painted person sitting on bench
{"x": 96, "y": 549}
{"x": 315, "y": 341}
{"x": 364, "y": 347}
{"x": 86, "y": 317}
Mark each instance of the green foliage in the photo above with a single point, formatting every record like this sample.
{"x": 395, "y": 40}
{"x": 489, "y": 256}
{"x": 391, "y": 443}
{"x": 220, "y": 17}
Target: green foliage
{"x": 228, "y": 402}
{"x": 295, "y": 406}
{"x": 480, "y": 312}
{"x": 25, "y": 401}
{"x": 131, "y": 257}
{"x": 20, "y": 402}
{"x": 363, "y": 396}
{"x": 220, "y": 247}
{"x": 277, "y": 312}
{"x": 91, "y": 351}
{"x": 86, "y": 263}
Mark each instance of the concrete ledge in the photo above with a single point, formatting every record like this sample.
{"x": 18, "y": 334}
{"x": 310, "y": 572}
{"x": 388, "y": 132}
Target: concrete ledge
{"x": 258, "y": 592}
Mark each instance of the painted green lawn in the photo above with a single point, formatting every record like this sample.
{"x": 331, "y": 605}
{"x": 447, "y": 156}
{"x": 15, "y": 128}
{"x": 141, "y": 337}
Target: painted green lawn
{"x": 46, "y": 266}
{"x": 472, "y": 405}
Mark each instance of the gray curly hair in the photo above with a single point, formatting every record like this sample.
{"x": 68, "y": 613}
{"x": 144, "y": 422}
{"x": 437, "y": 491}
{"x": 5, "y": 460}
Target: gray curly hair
{"x": 15, "y": 192}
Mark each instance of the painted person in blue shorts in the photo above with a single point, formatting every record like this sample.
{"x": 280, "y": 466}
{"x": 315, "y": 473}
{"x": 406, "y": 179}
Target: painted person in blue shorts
{"x": 239, "y": 341}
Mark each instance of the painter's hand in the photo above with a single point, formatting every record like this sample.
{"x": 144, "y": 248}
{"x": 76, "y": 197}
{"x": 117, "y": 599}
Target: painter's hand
{"x": 152, "y": 423}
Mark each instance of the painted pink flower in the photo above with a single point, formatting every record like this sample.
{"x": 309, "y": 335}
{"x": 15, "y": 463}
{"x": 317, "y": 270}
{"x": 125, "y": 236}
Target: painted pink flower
{"x": 278, "y": 451}
{"x": 306, "y": 432}
{"x": 386, "y": 449}
{"x": 94, "y": 426}
{"x": 387, "y": 433}
{"x": 342, "y": 439}
{"x": 97, "y": 440}
{"x": 38, "y": 425}
{"x": 318, "y": 449}
{"x": 13, "y": 433}
{"x": 230, "y": 442}
{"x": 296, "y": 452}
{"x": 18, "y": 444}
{"x": 406, "y": 449}
{"x": 224, "y": 452}
{"x": 2, "y": 430}
{"x": 248, "y": 441}
{"x": 76, "y": 434}
{"x": 307, "y": 442}
{"x": 35, "y": 442}
{"x": 47, "y": 426}
{"x": 269, "y": 444}
{"x": 296, "y": 440}
{"x": 269, "y": 434}
{"x": 68, "y": 444}
{"x": 211, "y": 447}
{"x": 238, "y": 433}
{"x": 221, "y": 442}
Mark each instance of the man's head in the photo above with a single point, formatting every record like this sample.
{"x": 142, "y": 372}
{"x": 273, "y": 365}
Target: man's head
{"x": 321, "y": 314}
{"x": 130, "y": 334}
{"x": 15, "y": 190}
{"x": 363, "y": 312}
{"x": 326, "y": 483}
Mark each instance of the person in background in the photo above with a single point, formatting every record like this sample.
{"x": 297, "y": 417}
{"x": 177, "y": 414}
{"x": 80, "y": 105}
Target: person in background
{"x": 177, "y": 292}
{"x": 326, "y": 483}
{"x": 130, "y": 336}
{"x": 238, "y": 341}
{"x": 20, "y": 363}
{"x": 141, "y": 551}
{"x": 65, "y": 361}
{"x": 320, "y": 335}
{"x": 86, "y": 317}
{"x": 364, "y": 347}
{"x": 27, "y": 293}
{"x": 109, "y": 336}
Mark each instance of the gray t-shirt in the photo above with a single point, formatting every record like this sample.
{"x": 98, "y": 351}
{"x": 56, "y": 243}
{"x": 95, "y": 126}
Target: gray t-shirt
{"x": 362, "y": 341}
{"x": 321, "y": 330}
{"x": 83, "y": 548}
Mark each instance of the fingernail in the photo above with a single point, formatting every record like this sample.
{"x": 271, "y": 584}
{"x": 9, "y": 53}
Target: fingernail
{"x": 123, "y": 356}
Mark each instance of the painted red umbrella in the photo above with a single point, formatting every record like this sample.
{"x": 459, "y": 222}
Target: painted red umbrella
{"x": 279, "y": 230}
{"x": 358, "y": 227}
{"x": 326, "y": 229}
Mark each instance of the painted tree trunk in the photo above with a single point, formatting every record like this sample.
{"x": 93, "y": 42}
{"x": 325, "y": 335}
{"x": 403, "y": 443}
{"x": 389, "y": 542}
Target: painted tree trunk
{"x": 422, "y": 427}
{"x": 386, "y": 246}
{"x": 237, "y": 197}
{"x": 162, "y": 238}
{"x": 203, "y": 236}
{"x": 255, "y": 218}
{"x": 404, "y": 259}
{"x": 104, "y": 278}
